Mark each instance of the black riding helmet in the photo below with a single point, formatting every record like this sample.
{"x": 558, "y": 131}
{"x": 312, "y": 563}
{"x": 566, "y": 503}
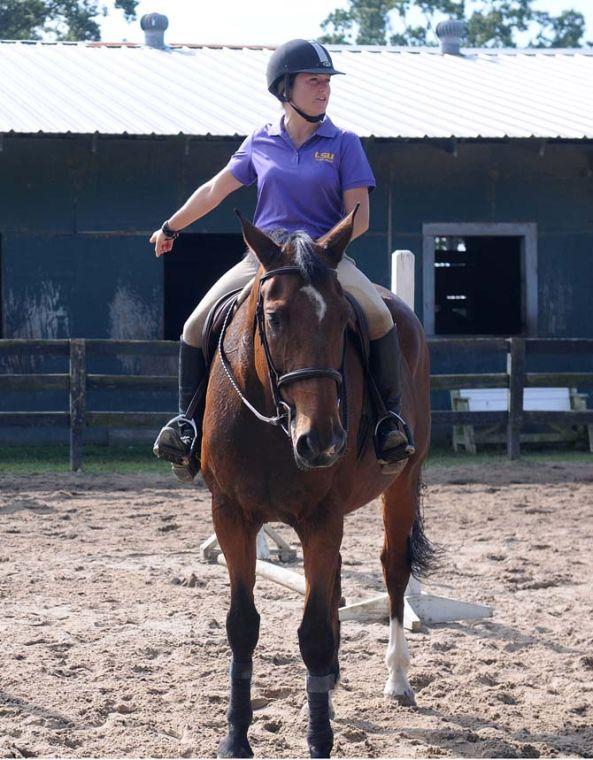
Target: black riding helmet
{"x": 295, "y": 57}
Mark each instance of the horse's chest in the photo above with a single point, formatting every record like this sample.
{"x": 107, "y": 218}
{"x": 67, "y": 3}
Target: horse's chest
{"x": 254, "y": 467}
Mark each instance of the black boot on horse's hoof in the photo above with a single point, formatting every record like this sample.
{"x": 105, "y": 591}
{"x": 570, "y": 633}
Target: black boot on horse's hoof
{"x": 320, "y": 737}
{"x": 319, "y": 751}
{"x": 179, "y": 442}
{"x": 393, "y": 438}
{"x": 236, "y": 744}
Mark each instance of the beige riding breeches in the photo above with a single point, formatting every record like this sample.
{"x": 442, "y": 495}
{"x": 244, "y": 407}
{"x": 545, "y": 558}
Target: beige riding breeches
{"x": 351, "y": 278}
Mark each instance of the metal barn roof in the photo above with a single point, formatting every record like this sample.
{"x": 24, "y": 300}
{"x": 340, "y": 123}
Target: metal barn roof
{"x": 85, "y": 88}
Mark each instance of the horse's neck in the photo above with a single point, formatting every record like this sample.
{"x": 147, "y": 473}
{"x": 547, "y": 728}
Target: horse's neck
{"x": 247, "y": 358}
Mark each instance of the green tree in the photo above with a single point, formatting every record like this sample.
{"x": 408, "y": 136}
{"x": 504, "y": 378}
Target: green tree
{"x": 490, "y": 23}
{"x": 565, "y": 30}
{"x": 56, "y": 19}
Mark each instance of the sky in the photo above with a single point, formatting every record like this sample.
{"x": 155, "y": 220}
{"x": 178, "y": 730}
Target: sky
{"x": 259, "y": 22}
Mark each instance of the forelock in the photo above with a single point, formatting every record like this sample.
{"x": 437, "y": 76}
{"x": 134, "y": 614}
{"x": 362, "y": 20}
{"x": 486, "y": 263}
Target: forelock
{"x": 301, "y": 246}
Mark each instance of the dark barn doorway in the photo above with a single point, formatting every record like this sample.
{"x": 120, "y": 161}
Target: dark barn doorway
{"x": 195, "y": 264}
{"x": 478, "y": 285}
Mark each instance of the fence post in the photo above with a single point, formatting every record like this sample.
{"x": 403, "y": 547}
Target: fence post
{"x": 516, "y": 372}
{"x": 402, "y": 276}
{"x": 77, "y": 401}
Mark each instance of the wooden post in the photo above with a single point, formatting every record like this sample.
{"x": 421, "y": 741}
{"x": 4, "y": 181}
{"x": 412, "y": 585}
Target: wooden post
{"x": 516, "y": 371}
{"x": 77, "y": 401}
{"x": 402, "y": 276}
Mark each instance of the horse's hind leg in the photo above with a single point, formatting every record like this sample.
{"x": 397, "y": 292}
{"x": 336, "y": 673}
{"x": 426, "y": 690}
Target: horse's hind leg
{"x": 401, "y": 521}
{"x": 319, "y": 632}
{"x": 237, "y": 539}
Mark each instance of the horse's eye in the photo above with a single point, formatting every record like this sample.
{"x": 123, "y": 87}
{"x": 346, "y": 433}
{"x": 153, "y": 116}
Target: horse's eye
{"x": 273, "y": 319}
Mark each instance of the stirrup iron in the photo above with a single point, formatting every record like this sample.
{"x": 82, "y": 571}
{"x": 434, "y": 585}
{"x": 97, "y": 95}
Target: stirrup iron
{"x": 174, "y": 455}
{"x": 409, "y": 449}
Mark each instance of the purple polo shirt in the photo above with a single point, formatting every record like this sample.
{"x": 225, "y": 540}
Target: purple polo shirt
{"x": 301, "y": 189}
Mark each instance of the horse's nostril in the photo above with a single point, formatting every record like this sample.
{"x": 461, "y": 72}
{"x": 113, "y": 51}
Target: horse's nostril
{"x": 318, "y": 453}
{"x": 340, "y": 442}
{"x": 305, "y": 446}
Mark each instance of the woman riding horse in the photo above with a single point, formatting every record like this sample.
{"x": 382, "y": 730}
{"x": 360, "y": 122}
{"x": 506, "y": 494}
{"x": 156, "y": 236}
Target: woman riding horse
{"x": 309, "y": 174}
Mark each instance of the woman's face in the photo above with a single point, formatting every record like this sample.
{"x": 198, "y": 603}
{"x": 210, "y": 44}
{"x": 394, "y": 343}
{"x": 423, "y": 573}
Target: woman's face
{"x": 310, "y": 93}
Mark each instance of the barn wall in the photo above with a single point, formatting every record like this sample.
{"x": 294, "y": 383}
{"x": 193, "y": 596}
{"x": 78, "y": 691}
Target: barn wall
{"x": 77, "y": 211}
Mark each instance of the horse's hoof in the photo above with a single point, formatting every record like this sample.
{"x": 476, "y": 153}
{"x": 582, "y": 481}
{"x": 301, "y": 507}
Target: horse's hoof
{"x": 234, "y": 747}
{"x": 318, "y": 751}
{"x": 404, "y": 698}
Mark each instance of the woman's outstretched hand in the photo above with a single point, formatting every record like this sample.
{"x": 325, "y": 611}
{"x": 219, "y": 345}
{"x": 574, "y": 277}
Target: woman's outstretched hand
{"x": 162, "y": 244}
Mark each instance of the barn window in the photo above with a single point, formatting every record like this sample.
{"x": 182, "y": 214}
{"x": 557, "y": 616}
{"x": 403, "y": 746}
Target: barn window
{"x": 480, "y": 279}
{"x": 196, "y": 263}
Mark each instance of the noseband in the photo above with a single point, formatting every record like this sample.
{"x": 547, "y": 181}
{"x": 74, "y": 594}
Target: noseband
{"x": 284, "y": 411}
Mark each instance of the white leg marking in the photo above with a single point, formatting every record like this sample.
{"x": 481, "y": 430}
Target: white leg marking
{"x": 318, "y": 302}
{"x": 397, "y": 660}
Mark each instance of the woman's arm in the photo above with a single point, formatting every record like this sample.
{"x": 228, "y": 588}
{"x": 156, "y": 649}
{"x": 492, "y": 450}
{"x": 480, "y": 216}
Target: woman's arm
{"x": 207, "y": 197}
{"x": 361, "y": 220}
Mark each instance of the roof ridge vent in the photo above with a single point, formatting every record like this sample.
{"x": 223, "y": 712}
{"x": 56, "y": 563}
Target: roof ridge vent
{"x": 154, "y": 26}
{"x": 450, "y": 34}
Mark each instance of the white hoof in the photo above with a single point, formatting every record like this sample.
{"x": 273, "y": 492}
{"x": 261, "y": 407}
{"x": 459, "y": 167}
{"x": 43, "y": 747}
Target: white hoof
{"x": 402, "y": 694}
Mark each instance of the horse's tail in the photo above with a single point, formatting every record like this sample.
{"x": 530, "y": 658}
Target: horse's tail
{"x": 423, "y": 555}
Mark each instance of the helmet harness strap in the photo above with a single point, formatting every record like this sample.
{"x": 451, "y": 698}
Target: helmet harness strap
{"x": 312, "y": 119}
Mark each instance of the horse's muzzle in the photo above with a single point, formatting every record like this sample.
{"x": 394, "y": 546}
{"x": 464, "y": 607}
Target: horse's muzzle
{"x": 312, "y": 453}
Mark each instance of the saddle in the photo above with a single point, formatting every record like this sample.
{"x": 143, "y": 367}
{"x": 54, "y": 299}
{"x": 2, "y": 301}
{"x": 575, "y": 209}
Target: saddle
{"x": 215, "y": 320}
{"x": 373, "y": 407}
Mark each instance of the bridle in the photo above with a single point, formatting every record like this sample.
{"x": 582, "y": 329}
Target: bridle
{"x": 284, "y": 411}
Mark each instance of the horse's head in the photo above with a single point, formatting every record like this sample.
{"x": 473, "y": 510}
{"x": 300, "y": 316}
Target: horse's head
{"x": 303, "y": 316}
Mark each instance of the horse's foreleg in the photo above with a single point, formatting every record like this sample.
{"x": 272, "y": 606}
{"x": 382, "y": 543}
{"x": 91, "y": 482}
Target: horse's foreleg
{"x": 400, "y": 505}
{"x": 237, "y": 539}
{"x": 319, "y": 632}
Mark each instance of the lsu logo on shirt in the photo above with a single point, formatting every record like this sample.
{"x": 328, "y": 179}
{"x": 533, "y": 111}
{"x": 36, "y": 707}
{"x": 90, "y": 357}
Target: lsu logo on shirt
{"x": 319, "y": 156}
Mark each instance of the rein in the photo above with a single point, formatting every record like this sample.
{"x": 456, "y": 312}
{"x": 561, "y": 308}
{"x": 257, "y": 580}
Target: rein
{"x": 284, "y": 411}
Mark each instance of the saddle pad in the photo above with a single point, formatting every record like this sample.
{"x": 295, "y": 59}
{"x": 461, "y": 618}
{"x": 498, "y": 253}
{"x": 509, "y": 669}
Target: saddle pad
{"x": 360, "y": 327}
{"x": 214, "y": 322}
{"x": 216, "y": 317}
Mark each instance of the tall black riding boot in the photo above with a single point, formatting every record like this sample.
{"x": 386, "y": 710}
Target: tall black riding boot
{"x": 179, "y": 442}
{"x": 393, "y": 439}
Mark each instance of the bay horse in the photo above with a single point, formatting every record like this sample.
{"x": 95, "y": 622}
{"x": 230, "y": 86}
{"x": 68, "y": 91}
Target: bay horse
{"x": 288, "y": 358}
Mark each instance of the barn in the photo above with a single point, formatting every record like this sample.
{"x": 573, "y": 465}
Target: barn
{"x": 483, "y": 160}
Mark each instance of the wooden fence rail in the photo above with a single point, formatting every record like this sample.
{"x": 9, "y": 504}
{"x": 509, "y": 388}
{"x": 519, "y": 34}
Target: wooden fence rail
{"x": 77, "y": 381}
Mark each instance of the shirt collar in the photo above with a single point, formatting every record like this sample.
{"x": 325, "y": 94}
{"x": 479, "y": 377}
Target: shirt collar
{"x": 326, "y": 129}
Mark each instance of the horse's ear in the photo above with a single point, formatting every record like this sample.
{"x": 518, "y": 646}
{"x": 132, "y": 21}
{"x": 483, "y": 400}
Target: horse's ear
{"x": 335, "y": 241}
{"x": 264, "y": 248}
